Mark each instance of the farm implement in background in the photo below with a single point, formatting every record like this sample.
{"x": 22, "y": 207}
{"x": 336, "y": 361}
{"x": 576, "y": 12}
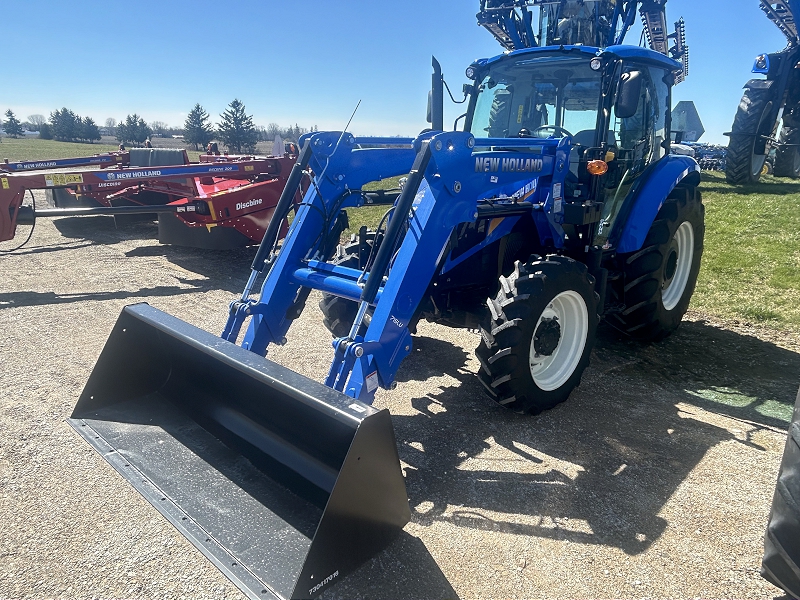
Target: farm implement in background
{"x": 219, "y": 203}
{"x": 96, "y": 160}
{"x": 767, "y": 122}
{"x": 559, "y": 202}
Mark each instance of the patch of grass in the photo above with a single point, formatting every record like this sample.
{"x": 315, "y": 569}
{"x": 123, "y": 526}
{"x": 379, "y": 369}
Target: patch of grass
{"x": 370, "y": 216}
{"x": 751, "y": 262}
{"x": 36, "y": 149}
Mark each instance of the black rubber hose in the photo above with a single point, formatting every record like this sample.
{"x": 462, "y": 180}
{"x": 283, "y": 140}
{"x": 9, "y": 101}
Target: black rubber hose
{"x": 287, "y": 197}
{"x": 396, "y": 224}
{"x": 30, "y": 233}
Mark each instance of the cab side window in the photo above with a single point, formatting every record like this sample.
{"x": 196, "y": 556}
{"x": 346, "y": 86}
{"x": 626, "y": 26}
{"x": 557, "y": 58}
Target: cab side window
{"x": 636, "y": 143}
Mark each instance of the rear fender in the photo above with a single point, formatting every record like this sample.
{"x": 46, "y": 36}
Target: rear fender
{"x": 648, "y": 195}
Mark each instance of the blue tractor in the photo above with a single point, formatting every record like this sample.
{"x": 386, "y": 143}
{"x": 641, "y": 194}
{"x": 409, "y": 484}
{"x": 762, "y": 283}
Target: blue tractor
{"x": 557, "y": 203}
{"x": 767, "y": 121}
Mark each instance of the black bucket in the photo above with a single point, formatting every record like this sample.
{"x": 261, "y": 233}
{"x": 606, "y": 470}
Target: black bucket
{"x": 285, "y": 484}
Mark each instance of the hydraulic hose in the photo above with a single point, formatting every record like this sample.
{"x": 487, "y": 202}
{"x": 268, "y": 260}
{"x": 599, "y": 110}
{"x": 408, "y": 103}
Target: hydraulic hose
{"x": 30, "y": 233}
{"x": 287, "y": 197}
{"x": 396, "y": 224}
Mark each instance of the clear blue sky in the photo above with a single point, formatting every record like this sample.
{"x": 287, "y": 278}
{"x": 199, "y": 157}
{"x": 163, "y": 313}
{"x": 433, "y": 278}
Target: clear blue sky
{"x": 307, "y": 62}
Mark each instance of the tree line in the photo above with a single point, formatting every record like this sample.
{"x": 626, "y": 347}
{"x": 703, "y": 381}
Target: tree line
{"x": 235, "y": 129}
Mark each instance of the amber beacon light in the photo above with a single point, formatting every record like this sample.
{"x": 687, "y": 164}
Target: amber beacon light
{"x": 597, "y": 167}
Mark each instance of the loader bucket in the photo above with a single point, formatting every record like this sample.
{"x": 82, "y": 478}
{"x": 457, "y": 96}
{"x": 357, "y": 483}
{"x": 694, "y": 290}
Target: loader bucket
{"x": 285, "y": 484}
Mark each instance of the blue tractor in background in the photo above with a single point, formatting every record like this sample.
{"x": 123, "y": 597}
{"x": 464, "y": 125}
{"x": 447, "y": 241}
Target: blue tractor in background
{"x": 557, "y": 203}
{"x": 767, "y": 121}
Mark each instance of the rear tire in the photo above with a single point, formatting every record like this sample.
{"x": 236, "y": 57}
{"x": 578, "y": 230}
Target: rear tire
{"x": 659, "y": 279}
{"x": 750, "y": 124}
{"x": 787, "y": 158}
{"x": 544, "y": 320}
{"x": 781, "y": 562}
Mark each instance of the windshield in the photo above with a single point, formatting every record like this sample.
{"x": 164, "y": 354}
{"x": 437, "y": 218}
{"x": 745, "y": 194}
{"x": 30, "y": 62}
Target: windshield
{"x": 540, "y": 96}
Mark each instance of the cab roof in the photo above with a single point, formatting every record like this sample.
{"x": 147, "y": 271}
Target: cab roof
{"x": 624, "y": 52}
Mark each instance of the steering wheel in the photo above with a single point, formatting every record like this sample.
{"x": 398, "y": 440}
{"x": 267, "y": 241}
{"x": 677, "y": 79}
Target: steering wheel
{"x": 554, "y": 128}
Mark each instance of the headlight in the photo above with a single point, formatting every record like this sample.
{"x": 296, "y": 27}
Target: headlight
{"x": 471, "y": 73}
{"x": 762, "y": 62}
{"x": 596, "y": 64}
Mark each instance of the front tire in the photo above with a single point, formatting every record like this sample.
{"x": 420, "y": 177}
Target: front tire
{"x": 339, "y": 313}
{"x": 659, "y": 279}
{"x": 746, "y": 155}
{"x": 544, "y": 320}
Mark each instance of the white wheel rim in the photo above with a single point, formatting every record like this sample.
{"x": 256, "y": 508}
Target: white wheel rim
{"x": 672, "y": 290}
{"x": 551, "y": 372}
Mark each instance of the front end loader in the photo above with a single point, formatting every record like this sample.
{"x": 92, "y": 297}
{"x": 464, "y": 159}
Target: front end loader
{"x": 558, "y": 204}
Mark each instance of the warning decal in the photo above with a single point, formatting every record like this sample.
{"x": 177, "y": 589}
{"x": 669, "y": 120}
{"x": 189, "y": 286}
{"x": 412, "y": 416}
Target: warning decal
{"x": 59, "y": 179}
{"x": 372, "y": 381}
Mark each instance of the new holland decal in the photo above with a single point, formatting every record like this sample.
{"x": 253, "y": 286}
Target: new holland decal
{"x": 508, "y": 165}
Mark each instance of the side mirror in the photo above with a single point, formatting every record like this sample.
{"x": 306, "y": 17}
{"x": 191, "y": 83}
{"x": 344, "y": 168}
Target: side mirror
{"x": 628, "y": 93}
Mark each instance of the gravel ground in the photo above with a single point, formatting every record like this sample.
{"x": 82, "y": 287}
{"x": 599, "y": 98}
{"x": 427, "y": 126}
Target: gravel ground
{"x": 654, "y": 480}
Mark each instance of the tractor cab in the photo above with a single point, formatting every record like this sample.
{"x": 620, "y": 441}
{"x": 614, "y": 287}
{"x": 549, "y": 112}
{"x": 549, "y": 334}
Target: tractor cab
{"x": 613, "y": 106}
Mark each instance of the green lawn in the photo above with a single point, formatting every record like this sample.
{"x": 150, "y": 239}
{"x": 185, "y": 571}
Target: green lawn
{"x": 36, "y": 149}
{"x": 751, "y": 262}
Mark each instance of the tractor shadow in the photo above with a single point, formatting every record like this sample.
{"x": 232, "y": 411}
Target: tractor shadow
{"x": 17, "y": 299}
{"x": 104, "y": 230}
{"x": 599, "y": 468}
{"x": 224, "y": 269}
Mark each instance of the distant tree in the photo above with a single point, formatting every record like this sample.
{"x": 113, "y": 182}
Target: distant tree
{"x": 111, "y": 123}
{"x": 236, "y": 129}
{"x": 159, "y": 128}
{"x": 65, "y": 125}
{"x": 37, "y": 121}
{"x": 197, "y": 129}
{"x": 90, "y": 132}
{"x": 45, "y": 132}
{"x": 133, "y": 129}
{"x": 13, "y": 126}
{"x": 273, "y": 129}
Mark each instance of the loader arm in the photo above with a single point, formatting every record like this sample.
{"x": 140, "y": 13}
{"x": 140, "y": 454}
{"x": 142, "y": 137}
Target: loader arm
{"x": 460, "y": 170}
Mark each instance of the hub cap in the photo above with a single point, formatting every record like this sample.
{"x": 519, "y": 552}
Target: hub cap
{"x": 678, "y": 266}
{"x": 558, "y": 340}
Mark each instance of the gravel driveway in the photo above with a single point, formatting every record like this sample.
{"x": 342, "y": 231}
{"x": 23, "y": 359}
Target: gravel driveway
{"x": 653, "y": 480}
